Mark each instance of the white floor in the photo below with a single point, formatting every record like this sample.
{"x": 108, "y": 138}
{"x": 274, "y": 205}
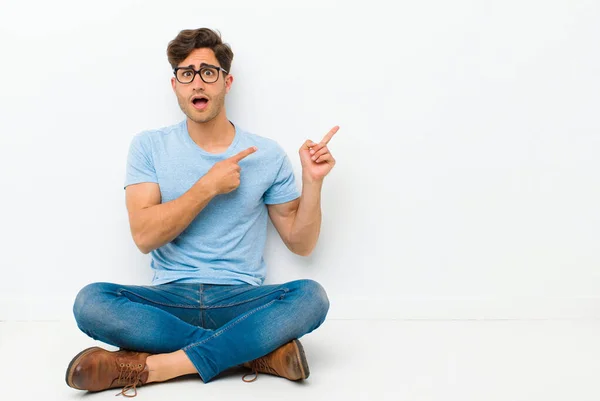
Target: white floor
{"x": 352, "y": 360}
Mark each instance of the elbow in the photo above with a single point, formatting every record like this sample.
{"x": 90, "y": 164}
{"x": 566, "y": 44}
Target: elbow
{"x": 301, "y": 246}
{"x": 302, "y": 250}
{"x": 145, "y": 251}
{"x": 141, "y": 244}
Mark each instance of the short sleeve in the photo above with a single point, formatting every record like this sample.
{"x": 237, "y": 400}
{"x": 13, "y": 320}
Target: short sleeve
{"x": 284, "y": 187}
{"x": 140, "y": 167}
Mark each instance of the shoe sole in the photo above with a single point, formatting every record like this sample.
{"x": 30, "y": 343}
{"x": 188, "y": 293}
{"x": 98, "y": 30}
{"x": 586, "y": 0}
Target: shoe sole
{"x": 74, "y": 362}
{"x": 303, "y": 365}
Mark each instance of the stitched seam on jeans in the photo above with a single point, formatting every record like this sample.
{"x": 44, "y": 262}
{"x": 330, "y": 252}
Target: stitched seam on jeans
{"x": 201, "y": 311}
{"x": 241, "y": 319}
{"x": 285, "y": 290}
{"x": 161, "y": 303}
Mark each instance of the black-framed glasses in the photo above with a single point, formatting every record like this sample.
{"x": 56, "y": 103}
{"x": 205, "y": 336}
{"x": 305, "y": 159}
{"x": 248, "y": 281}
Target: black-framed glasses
{"x": 208, "y": 73}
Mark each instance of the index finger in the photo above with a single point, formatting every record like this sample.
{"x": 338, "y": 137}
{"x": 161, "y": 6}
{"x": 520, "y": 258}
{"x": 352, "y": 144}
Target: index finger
{"x": 330, "y": 135}
{"x": 243, "y": 153}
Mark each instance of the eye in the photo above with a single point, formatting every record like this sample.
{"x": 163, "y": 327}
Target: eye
{"x": 207, "y": 72}
{"x": 187, "y": 73}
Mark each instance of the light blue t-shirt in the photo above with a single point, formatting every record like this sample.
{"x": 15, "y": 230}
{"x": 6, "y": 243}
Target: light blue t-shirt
{"x": 224, "y": 244}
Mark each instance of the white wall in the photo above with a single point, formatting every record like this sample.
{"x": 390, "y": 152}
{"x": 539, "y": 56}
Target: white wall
{"x": 467, "y": 183}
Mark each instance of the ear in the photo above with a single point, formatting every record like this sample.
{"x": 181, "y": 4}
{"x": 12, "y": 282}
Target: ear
{"x": 228, "y": 83}
{"x": 173, "y": 83}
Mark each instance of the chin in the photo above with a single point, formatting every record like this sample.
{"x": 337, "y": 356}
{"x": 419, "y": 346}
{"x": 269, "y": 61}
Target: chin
{"x": 198, "y": 117}
{"x": 201, "y": 119}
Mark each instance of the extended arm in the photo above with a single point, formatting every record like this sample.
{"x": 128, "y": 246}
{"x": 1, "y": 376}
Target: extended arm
{"x": 299, "y": 222}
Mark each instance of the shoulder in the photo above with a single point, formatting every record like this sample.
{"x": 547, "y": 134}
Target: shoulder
{"x": 157, "y": 135}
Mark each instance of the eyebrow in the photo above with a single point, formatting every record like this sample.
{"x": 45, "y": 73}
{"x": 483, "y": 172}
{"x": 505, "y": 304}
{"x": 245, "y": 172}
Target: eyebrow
{"x": 203, "y": 65}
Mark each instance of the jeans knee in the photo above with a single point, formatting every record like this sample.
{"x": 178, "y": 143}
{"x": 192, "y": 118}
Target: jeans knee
{"x": 85, "y": 308}
{"x": 316, "y": 299}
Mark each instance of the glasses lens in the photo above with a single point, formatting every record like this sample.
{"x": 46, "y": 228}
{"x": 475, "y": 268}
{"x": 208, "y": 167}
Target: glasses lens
{"x": 185, "y": 75}
{"x": 209, "y": 74}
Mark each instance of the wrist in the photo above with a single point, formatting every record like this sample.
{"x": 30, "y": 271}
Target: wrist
{"x": 207, "y": 187}
{"x": 307, "y": 180}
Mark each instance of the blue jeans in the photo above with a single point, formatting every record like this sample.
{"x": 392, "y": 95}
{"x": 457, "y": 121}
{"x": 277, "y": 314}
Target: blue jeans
{"x": 217, "y": 326}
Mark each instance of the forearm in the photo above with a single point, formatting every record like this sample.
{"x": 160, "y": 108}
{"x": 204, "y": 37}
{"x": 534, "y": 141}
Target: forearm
{"x": 160, "y": 224}
{"x": 306, "y": 226}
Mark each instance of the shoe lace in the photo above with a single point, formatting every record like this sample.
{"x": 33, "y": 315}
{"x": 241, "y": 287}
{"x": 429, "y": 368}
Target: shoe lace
{"x": 130, "y": 376}
{"x": 258, "y": 365}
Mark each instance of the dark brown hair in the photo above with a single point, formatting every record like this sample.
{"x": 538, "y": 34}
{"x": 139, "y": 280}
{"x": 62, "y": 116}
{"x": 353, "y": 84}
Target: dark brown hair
{"x": 190, "y": 39}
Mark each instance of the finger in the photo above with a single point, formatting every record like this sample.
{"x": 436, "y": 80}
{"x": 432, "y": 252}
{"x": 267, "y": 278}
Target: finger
{"x": 327, "y": 157}
{"x": 307, "y": 144}
{"x": 243, "y": 154}
{"x": 316, "y": 147}
{"x": 321, "y": 152}
{"x": 330, "y": 135}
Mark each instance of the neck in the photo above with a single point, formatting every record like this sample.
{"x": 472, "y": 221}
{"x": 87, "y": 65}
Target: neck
{"x": 213, "y": 136}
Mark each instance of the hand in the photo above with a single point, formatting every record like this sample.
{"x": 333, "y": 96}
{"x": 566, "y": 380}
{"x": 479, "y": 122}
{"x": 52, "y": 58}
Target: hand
{"x": 316, "y": 159}
{"x": 224, "y": 176}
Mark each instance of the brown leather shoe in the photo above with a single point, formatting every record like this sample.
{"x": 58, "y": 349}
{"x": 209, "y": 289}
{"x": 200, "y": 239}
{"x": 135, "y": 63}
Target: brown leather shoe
{"x": 287, "y": 361}
{"x": 96, "y": 369}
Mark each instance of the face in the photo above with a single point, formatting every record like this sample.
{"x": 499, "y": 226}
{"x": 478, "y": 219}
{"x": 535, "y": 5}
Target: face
{"x": 188, "y": 95}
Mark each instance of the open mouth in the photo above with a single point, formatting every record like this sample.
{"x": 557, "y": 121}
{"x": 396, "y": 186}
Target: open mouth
{"x": 200, "y": 103}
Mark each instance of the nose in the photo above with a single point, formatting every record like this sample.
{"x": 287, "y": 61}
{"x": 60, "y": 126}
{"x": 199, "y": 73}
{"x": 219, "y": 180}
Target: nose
{"x": 198, "y": 83}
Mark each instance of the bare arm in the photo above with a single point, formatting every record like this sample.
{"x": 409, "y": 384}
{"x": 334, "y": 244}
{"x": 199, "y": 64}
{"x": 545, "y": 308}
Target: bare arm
{"x": 154, "y": 224}
{"x": 299, "y": 222}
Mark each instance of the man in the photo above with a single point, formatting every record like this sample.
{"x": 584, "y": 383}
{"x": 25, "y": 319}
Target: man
{"x": 198, "y": 194}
